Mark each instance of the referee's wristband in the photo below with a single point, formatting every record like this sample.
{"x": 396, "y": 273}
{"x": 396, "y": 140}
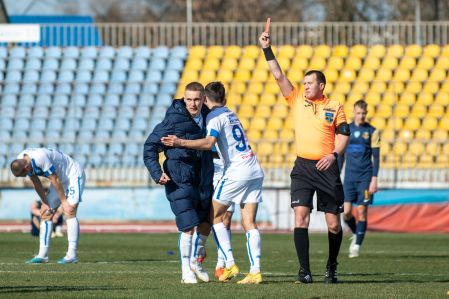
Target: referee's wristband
{"x": 335, "y": 155}
{"x": 269, "y": 55}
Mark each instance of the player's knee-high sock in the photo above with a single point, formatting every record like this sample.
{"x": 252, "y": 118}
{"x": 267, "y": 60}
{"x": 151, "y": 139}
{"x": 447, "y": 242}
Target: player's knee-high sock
{"x": 185, "y": 247}
{"x": 361, "y": 229}
{"x": 73, "y": 232}
{"x": 334, "y": 245}
{"x": 301, "y": 237}
{"x": 351, "y": 224}
{"x": 46, "y": 227}
{"x": 198, "y": 248}
{"x": 224, "y": 243}
{"x": 253, "y": 242}
{"x": 221, "y": 263}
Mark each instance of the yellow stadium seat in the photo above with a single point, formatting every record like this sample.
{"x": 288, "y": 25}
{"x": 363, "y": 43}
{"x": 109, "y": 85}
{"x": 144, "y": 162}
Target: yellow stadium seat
{"x": 207, "y": 76}
{"x": 329, "y": 87}
{"x": 390, "y": 63}
{"x": 251, "y": 51}
{"x": 353, "y": 63}
{"x": 395, "y": 124}
{"x": 358, "y": 51}
{"x": 246, "y": 111}
{"x": 294, "y": 75}
{"x": 242, "y": 75}
{"x": 395, "y": 51}
{"x": 445, "y": 51}
{"x": 418, "y": 110}
{"x": 211, "y": 63}
{"x": 317, "y": 63}
{"x": 286, "y": 51}
{"x": 401, "y": 111}
{"x": 244, "y": 121}
{"x": 384, "y": 111}
{"x": 247, "y": 63}
{"x": 416, "y": 148}
{"x": 335, "y": 63}
{"x": 233, "y": 51}
{"x": 264, "y": 149}
{"x": 413, "y": 51}
{"x": 378, "y": 87}
{"x": 272, "y": 88}
{"x": 425, "y": 161}
{"x": 431, "y": 87}
{"x": 445, "y": 87}
{"x": 336, "y": 96}
{"x": 396, "y": 87}
{"x": 299, "y": 63}
{"x": 433, "y": 148}
{"x": 255, "y": 87}
{"x": 340, "y": 51}
{"x": 400, "y": 148}
{"x": 405, "y": 135}
{"x": 354, "y": 97}
{"x": 407, "y": 63}
{"x": 271, "y": 135}
{"x": 229, "y": 63}
{"x": 233, "y": 99}
{"x": 189, "y": 75}
{"x": 442, "y": 63}
{"x": 257, "y": 123}
{"x": 347, "y": 75}
{"x": 287, "y": 135}
{"x": 413, "y": 87}
{"x": 423, "y": 135}
{"x": 442, "y": 98}
{"x": 425, "y": 63}
{"x": 377, "y": 51}
{"x": 323, "y": 51}
{"x": 225, "y": 76}
{"x": 373, "y": 98}
{"x": 284, "y": 63}
{"x": 366, "y": 75}
{"x": 280, "y": 111}
{"x": 425, "y": 98}
{"x": 430, "y": 123}
{"x": 197, "y": 52}
{"x": 215, "y": 52}
{"x": 445, "y": 149}
{"x": 250, "y": 99}
{"x": 262, "y": 64}
{"x": 305, "y": 51}
{"x": 289, "y": 124}
{"x": 254, "y": 134}
{"x": 260, "y": 76}
{"x": 442, "y": 162}
{"x": 401, "y": 75}
{"x": 407, "y": 98}
{"x": 194, "y": 64}
{"x": 436, "y": 110}
{"x": 444, "y": 123}
{"x": 389, "y": 99}
{"x": 437, "y": 75}
{"x": 237, "y": 87}
{"x": 275, "y": 123}
{"x": 267, "y": 99}
{"x": 372, "y": 62}
{"x": 419, "y": 75}
{"x": 432, "y": 50}
{"x": 360, "y": 87}
{"x": 440, "y": 135}
{"x": 388, "y": 135}
{"x": 331, "y": 75}
{"x": 383, "y": 75}
{"x": 378, "y": 122}
{"x": 412, "y": 123}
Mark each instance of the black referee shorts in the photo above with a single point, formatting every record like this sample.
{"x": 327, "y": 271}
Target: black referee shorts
{"x": 306, "y": 179}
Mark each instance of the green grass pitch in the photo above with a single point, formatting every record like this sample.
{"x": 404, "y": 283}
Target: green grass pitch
{"x": 144, "y": 266}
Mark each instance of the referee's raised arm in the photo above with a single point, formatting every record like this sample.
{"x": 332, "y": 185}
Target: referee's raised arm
{"x": 283, "y": 82}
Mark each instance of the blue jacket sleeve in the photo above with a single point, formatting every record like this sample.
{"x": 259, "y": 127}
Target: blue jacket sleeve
{"x": 153, "y": 147}
{"x": 376, "y": 161}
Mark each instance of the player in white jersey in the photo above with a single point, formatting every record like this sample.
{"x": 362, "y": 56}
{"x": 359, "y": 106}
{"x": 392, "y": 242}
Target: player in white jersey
{"x": 67, "y": 180}
{"x": 241, "y": 182}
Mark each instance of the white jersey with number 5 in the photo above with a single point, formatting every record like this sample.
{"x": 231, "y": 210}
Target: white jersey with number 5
{"x": 240, "y": 163}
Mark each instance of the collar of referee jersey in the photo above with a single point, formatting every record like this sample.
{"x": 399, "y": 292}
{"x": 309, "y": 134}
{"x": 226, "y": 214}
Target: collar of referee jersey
{"x": 308, "y": 102}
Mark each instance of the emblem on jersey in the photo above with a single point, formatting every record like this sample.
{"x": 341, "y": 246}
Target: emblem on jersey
{"x": 365, "y": 135}
{"x": 357, "y": 134}
{"x": 329, "y": 116}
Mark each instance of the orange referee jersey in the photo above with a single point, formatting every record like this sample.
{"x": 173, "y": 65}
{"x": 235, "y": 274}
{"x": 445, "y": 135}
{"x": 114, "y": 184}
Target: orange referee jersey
{"x": 315, "y": 124}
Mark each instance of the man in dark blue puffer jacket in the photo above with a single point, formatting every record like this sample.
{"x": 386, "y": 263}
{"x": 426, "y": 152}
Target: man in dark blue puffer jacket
{"x": 187, "y": 176}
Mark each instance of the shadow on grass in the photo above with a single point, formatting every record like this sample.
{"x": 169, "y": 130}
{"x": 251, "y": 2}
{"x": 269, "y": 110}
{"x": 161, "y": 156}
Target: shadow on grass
{"x": 46, "y": 289}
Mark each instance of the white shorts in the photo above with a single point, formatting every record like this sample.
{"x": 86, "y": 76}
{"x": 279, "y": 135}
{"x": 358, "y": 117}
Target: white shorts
{"x": 217, "y": 177}
{"x": 238, "y": 192}
{"x": 73, "y": 191}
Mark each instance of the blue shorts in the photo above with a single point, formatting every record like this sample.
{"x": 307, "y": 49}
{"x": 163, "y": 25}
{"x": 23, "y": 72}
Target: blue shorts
{"x": 357, "y": 192}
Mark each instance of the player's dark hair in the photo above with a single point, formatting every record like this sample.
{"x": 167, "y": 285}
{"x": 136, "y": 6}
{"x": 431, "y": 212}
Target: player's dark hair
{"x": 195, "y": 86}
{"x": 16, "y": 167}
{"x": 215, "y": 91}
{"x": 361, "y": 104}
{"x": 319, "y": 76}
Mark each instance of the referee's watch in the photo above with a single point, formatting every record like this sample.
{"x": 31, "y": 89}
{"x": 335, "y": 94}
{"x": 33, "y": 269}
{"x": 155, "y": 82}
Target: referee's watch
{"x": 335, "y": 155}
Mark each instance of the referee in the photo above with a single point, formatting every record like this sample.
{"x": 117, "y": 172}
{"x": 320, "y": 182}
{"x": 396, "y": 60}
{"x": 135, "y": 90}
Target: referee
{"x": 321, "y": 134}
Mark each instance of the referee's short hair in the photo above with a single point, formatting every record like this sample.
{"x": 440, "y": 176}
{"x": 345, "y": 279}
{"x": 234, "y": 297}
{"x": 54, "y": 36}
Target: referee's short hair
{"x": 319, "y": 76}
{"x": 215, "y": 91}
{"x": 195, "y": 86}
{"x": 361, "y": 104}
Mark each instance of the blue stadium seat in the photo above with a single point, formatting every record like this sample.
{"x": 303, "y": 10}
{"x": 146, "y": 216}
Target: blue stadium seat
{"x": 17, "y": 52}
{"x": 139, "y": 64}
{"x": 46, "y": 88}
{"x": 112, "y": 100}
{"x": 53, "y": 52}
{"x": 2, "y": 65}
{"x": 20, "y": 136}
{"x": 125, "y": 52}
{"x": 138, "y": 134}
{"x": 121, "y": 64}
{"x": 115, "y": 148}
{"x": 129, "y": 100}
{"x": 111, "y": 161}
{"x": 23, "y": 111}
{"x": 78, "y": 100}
{"x": 26, "y": 100}
{"x": 16, "y": 64}
{"x": 86, "y": 64}
{"x": 71, "y": 52}
{"x": 63, "y": 89}
{"x": 168, "y": 88}
{"x": 55, "y": 124}
{"x": 122, "y": 124}
{"x": 100, "y": 76}
{"x": 58, "y": 111}
{"x": 66, "y": 76}
{"x": 36, "y": 52}
{"x": 135, "y": 76}
{"x": 175, "y": 64}
{"x": 11, "y": 88}
{"x": 118, "y": 76}
{"x": 7, "y": 124}
{"x": 132, "y": 88}
{"x": 40, "y": 112}
{"x": 21, "y": 124}
{"x": 106, "y": 52}
{"x": 171, "y": 76}
{"x": 83, "y": 76}
{"x": 81, "y": 88}
{"x": 154, "y": 76}
{"x": 48, "y": 76}
{"x": 85, "y": 135}
{"x": 71, "y": 124}
{"x": 89, "y": 52}
{"x": 163, "y": 100}
{"x": 115, "y": 88}
{"x": 3, "y": 52}
{"x": 9, "y": 101}
{"x": 33, "y": 64}
{"x": 106, "y": 124}
{"x": 161, "y": 52}
{"x": 108, "y": 111}
{"x": 157, "y": 64}
{"x": 50, "y": 64}
{"x": 36, "y": 135}
{"x": 179, "y": 52}
{"x": 146, "y": 100}
{"x": 98, "y": 89}
{"x": 99, "y": 148}
{"x": 61, "y": 100}
{"x": 94, "y": 100}
{"x": 1, "y": 78}
{"x": 142, "y": 52}
{"x": 5, "y": 136}
{"x": 52, "y": 135}
{"x": 43, "y": 100}
{"x": 92, "y": 112}
{"x": 13, "y": 76}
{"x": 140, "y": 124}
{"x": 104, "y": 64}
{"x": 31, "y": 76}
{"x": 88, "y": 124}
{"x": 38, "y": 124}
{"x": 128, "y": 161}
{"x": 125, "y": 112}
{"x": 95, "y": 161}
{"x": 7, "y": 112}
{"x": 68, "y": 64}
{"x": 29, "y": 88}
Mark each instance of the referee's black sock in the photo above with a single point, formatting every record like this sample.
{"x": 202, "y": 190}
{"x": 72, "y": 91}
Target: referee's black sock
{"x": 351, "y": 223}
{"x": 334, "y": 245}
{"x": 301, "y": 236}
